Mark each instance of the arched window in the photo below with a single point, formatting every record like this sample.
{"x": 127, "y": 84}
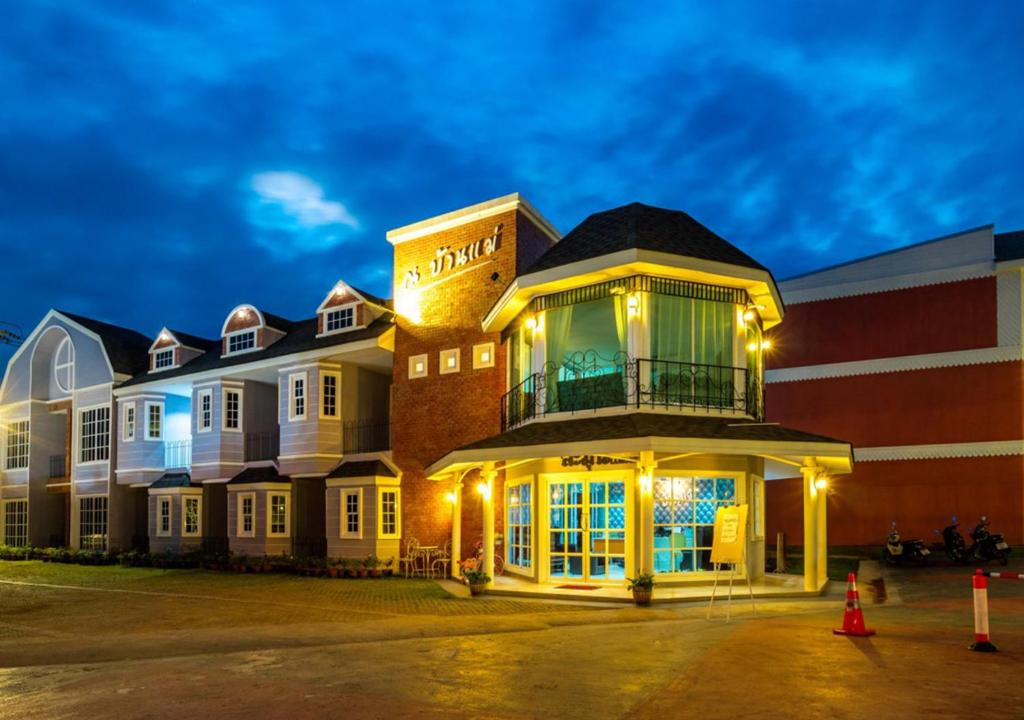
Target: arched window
{"x": 64, "y": 365}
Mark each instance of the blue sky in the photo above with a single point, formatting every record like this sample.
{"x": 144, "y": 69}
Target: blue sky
{"x": 161, "y": 162}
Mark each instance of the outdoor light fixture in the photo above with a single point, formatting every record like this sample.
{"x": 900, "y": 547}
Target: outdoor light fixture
{"x": 821, "y": 483}
{"x": 407, "y": 303}
{"x": 766, "y": 344}
{"x": 752, "y": 346}
{"x": 645, "y": 482}
{"x": 531, "y": 322}
{"x": 451, "y": 497}
{"x": 749, "y": 315}
{"x": 633, "y": 305}
{"x": 484, "y": 489}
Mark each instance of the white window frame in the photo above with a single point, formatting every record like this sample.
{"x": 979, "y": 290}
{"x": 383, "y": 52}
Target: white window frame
{"x": 414, "y": 360}
{"x": 97, "y": 449}
{"x": 82, "y": 499}
{"x": 205, "y": 394}
{"x": 271, "y": 494}
{"x": 293, "y": 400}
{"x": 444, "y": 358}
{"x": 397, "y": 534}
{"x": 163, "y": 352}
{"x": 224, "y": 409}
{"x": 479, "y": 350}
{"x": 344, "y": 532}
{"x": 531, "y": 526}
{"x": 164, "y": 501}
{"x": 22, "y": 539}
{"x": 149, "y": 406}
{"x": 24, "y": 448}
{"x": 68, "y": 365}
{"x": 185, "y": 499}
{"x": 240, "y": 530}
{"x": 337, "y": 394}
{"x": 128, "y": 425}
{"x": 338, "y": 311}
{"x": 237, "y": 334}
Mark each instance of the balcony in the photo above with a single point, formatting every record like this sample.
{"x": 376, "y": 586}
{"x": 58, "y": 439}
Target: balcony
{"x": 589, "y": 382}
{"x": 367, "y": 436}
{"x": 178, "y": 455}
{"x": 264, "y": 445}
{"x": 59, "y": 476}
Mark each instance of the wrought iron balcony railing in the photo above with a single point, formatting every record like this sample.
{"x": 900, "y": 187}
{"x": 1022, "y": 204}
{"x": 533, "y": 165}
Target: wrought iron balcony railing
{"x": 264, "y": 445}
{"x": 366, "y": 436}
{"x": 178, "y": 454}
{"x": 588, "y": 381}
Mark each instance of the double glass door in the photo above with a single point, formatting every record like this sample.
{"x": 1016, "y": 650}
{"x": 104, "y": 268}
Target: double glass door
{"x": 587, "y": 529}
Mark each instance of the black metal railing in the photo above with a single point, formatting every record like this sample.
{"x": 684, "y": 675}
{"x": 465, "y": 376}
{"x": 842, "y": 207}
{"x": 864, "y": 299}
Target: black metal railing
{"x": 264, "y": 445}
{"x": 589, "y": 381}
{"x": 178, "y": 454}
{"x": 366, "y": 436}
{"x": 58, "y": 467}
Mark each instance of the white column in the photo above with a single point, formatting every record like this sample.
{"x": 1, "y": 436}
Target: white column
{"x": 645, "y": 512}
{"x": 456, "y": 570}
{"x": 809, "y": 472}
{"x": 487, "y": 476}
{"x": 821, "y": 529}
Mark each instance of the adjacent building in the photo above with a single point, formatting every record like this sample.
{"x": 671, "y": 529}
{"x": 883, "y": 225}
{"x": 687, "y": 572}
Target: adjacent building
{"x": 578, "y": 405}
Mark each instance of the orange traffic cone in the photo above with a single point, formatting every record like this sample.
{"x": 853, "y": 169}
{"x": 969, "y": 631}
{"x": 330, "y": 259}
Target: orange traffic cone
{"x": 853, "y": 618}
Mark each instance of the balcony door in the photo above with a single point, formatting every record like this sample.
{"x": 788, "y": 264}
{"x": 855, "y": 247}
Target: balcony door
{"x": 589, "y": 529}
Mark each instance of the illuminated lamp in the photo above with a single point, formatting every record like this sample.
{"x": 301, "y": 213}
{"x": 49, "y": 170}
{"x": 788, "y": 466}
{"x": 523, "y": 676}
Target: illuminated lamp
{"x": 749, "y": 315}
{"x": 407, "y": 304}
{"x": 751, "y": 346}
{"x": 484, "y": 489}
{"x": 821, "y": 483}
{"x": 633, "y": 305}
{"x": 766, "y": 344}
{"x": 645, "y": 482}
{"x": 451, "y": 497}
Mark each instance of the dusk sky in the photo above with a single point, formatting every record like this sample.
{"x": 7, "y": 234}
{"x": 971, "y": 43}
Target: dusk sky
{"x": 162, "y": 162}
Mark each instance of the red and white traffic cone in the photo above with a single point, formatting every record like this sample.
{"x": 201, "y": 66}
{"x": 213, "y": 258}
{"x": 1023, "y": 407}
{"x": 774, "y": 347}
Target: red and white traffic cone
{"x": 981, "y": 642}
{"x": 853, "y": 617}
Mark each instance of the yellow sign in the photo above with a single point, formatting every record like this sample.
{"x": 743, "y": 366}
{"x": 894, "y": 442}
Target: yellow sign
{"x": 730, "y": 535}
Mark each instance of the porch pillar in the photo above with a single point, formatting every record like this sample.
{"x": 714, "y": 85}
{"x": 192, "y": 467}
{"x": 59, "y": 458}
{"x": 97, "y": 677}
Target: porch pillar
{"x": 645, "y": 506}
{"x": 456, "y": 552}
{"x": 487, "y": 476}
{"x": 821, "y": 527}
{"x": 811, "y": 513}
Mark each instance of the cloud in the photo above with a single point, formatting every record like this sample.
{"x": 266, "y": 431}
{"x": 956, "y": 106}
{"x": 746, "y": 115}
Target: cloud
{"x": 292, "y": 216}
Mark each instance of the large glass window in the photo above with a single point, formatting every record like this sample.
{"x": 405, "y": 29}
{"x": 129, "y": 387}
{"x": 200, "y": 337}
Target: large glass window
{"x": 94, "y": 433}
{"x": 341, "y": 318}
{"x": 297, "y": 408}
{"x": 519, "y": 501}
{"x": 92, "y": 523}
{"x": 16, "y": 523}
{"x": 246, "y": 513}
{"x": 329, "y": 394}
{"x": 351, "y": 511}
{"x": 232, "y": 409}
{"x": 154, "y": 421}
{"x": 278, "y": 520}
{"x": 17, "y": 445}
{"x": 190, "y": 519}
{"x": 163, "y": 359}
{"x": 684, "y": 520}
{"x": 163, "y": 516}
{"x": 205, "y": 410}
{"x": 242, "y": 341}
{"x": 388, "y": 513}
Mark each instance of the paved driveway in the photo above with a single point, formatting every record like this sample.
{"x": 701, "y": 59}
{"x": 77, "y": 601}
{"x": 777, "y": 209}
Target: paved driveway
{"x": 151, "y": 644}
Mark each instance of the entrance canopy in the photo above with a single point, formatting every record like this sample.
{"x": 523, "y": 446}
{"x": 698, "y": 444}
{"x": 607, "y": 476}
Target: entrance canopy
{"x": 663, "y": 434}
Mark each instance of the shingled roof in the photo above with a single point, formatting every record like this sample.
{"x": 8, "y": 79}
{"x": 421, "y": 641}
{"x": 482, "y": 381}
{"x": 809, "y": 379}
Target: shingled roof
{"x": 128, "y": 350}
{"x": 642, "y": 227}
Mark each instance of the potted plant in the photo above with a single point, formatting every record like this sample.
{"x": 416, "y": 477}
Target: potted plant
{"x": 373, "y": 565}
{"x": 477, "y": 580}
{"x": 642, "y": 586}
{"x": 387, "y": 566}
{"x": 332, "y": 567}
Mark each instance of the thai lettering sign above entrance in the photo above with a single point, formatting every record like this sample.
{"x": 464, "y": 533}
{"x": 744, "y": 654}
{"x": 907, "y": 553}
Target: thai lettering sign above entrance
{"x": 446, "y": 260}
{"x": 589, "y": 461}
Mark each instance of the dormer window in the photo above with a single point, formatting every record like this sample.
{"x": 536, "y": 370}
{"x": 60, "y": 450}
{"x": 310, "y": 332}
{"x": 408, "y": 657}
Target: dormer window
{"x": 163, "y": 359}
{"x": 242, "y": 341}
{"x": 340, "y": 318}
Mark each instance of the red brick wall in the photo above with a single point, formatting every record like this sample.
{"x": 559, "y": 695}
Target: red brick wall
{"x": 920, "y": 495}
{"x": 439, "y": 413}
{"x": 974, "y": 403}
{"x": 915, "y": 321}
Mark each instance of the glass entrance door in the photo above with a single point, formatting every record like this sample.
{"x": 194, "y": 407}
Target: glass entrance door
{"x": 587, "y": 529}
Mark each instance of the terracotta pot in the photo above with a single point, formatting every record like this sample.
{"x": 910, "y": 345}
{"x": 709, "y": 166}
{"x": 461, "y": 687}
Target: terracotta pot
{"x": 333, "y": 572}
{"x": 375, "y": 572}
{"x": 477, "y": 588}
{"x": 642, "y": 596}
{"x": 363, "y": 572}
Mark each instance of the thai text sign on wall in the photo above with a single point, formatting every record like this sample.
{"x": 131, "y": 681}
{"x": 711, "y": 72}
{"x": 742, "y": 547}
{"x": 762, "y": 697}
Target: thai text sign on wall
{"x": 446, "y": 260}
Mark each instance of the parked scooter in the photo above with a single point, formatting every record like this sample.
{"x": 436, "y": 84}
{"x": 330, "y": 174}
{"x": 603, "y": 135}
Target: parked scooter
{"x": 898, "y": 550}
{"x": 988, "y": 546}
{"x": 953, "y": 542}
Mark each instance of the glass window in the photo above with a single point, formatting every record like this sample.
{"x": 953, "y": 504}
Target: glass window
{"x": 64, "y": 365}
{"x": 278, "y": 515}
{"x": 163, "y": 359}
{"x": 388, "y": 513}
{"x": 92, "y": 523}
{"x": 329, "y": 391}
{"x": 341, "y": 318}
{"x": 94, "y": 433}
{"x": 298, "y": 396}
{"x": 519, "y": 544}
{"x": 17, "y": 445}
{"x": 190, "y": 506}
{"x": 129, "y": 422}
{"x": 154, "y": 421}
{"x": 16, "y": 523}
{"x": 163, "y": 511}
{"x": 684, "y": 519}
{"x": 232, "y": 409}
{"x": 242, "y": 341}
{"x": 205, "y": 410}
{"x": 520, "y": 356}
{"x": 246, "y": 507}
{"x": 351, "y": 522}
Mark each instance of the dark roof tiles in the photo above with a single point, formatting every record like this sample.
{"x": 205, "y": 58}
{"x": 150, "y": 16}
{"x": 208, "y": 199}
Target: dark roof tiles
{"x": 259, "y": 474}
{"x": 128, "y": 350}
{"x": 362, "y": 468}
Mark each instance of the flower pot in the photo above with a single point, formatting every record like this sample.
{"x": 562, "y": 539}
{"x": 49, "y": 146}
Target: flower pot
{"x": 333, "y": 572}
{"x": 350, "y": 573}
{"x": 375, "y": 572}
{"x": 642, "y": 596}
{"x": 363, "y": 572}
{"x": 477, "y": 588}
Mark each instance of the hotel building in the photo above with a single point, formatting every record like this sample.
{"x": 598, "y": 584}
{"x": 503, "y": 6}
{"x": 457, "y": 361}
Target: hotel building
{"x": 579, "y": 405}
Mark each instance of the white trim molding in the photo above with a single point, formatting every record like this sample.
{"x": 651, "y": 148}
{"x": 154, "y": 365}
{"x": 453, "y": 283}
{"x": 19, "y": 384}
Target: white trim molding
{"x": 992, "y": 448}
{"x": 905, "y": 363}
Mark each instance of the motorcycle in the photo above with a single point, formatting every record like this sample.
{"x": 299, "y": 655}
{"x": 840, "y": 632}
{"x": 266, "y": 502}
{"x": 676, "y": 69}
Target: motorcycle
{"x": 953, "y": 542}
{"x": 988, "y": 546}
{"x": 897, "y": 550}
